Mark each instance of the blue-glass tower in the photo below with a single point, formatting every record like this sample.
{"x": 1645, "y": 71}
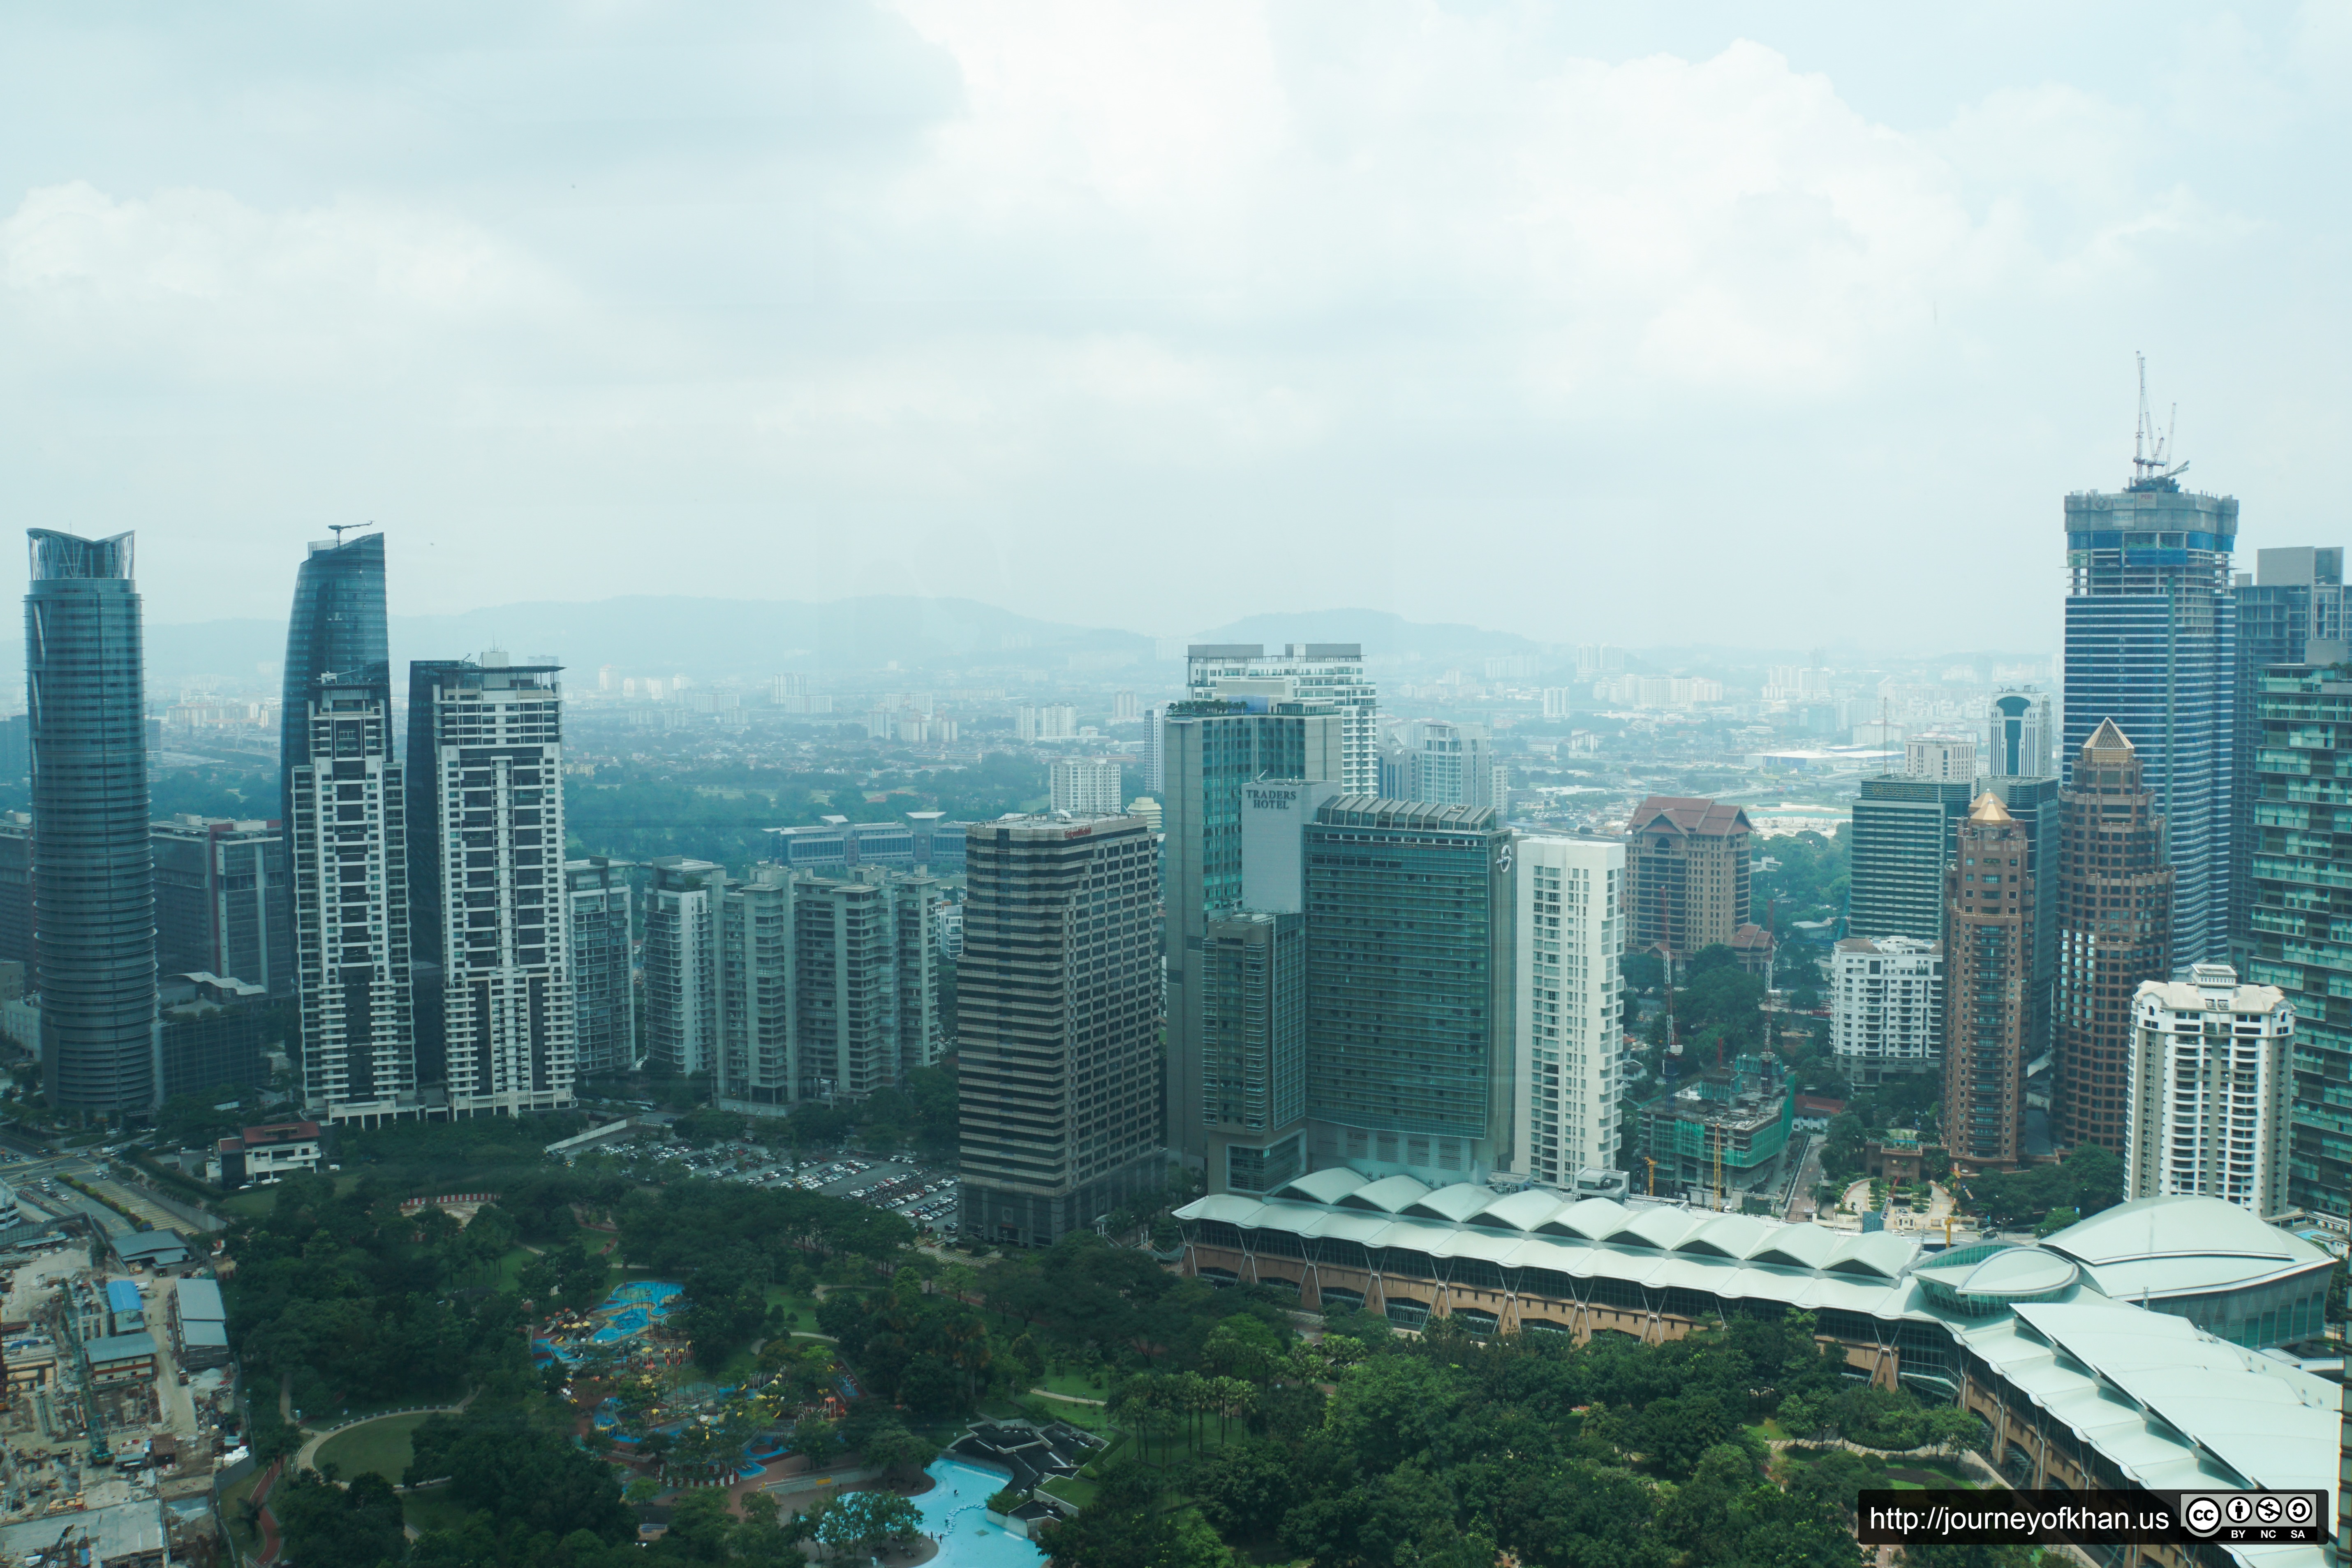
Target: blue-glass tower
{"x": 92, "y": 864}
{"x": 2151, "y": 643}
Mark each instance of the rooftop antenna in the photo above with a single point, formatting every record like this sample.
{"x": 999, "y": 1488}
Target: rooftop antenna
{"x": 336, "y": 529}
{"x": 2151, "y": 451}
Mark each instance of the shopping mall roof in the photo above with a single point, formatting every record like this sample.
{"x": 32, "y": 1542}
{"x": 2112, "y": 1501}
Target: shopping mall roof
{"x": 2182, "y": 1246}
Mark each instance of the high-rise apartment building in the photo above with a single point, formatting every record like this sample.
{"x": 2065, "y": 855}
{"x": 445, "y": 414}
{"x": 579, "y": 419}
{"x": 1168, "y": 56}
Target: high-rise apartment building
{"x": 2151, "y": 644}
{"x": 1411, "y": 946}
{"x": 2291, "y": 612}
{"x": 681, "y": 960}
{"x": 1449, "y": 765}
{"x": 2211, "y": 1080}
{"x": 1155, "y": 750}
{"x": 1308, "y": 672}
{"x": 93, "y": 869}
{"x": 602, "y": 931}
{"x": 754, "y": 971}
{"x": 1252, "y": 990}
{"x": 2116, "y": 918}
{"x": 224, "y": 904}
{"x": 1949, "y": 758}
{"x": 1222, "y": 755}
{"x": 1685, "y": 875}
{"x": 1125, "y": 708}
{"x": 866, "y": 981}
{"x": 2018, "y": 736}
{"x": 1886, "y": 1006}
{"x": 1559, "y": 703}
{"x": 2302, "y": 824}
{"x": 486, "y": 878}
{"x": 1988, "y": 987}
{"x": 1050, "y": 721}
{"x": 1058, "y": 1023}
{"x": 1085, "y": 786}
{"x": 1567, "y": 1063}
{"x": 346, "y": 835}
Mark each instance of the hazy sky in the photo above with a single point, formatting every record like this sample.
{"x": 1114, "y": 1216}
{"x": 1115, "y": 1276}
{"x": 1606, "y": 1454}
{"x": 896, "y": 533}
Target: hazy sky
{"x": 1772, "y": 324}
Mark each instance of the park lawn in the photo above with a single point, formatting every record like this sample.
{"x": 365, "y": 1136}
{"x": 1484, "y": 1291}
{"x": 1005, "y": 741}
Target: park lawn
{"x": 232, "y": 1511}
{"x": 801, "y": 1307}
{"x": 380, "y": 1446}
{"x": 1076, "y": 1384}
{"x": 1093, "y": 1417}
{"x": 252, "y": 1203}
{"x": 1769, "y": 1430}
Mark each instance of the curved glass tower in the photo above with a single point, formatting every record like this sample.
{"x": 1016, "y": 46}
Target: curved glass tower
{"x": 93, "y": 869}
{"x": 344, "y": 810}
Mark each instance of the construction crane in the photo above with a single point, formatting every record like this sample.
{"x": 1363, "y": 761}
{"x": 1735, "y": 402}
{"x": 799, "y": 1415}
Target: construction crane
{"x": 93, "y": 1423}
{"x": 1722, "y": 1199}
{"x": 1654, "y": 1174}
{"x": 338, "y": 529}
{"x": 2151, "y": 452}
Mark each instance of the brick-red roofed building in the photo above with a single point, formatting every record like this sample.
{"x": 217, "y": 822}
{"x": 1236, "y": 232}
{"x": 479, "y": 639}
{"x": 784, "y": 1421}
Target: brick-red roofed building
{"x": 1685, "y": 874}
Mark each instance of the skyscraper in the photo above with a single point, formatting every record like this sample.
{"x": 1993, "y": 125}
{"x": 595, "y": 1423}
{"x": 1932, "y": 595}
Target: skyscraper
{"x": 2114, "y": 914}
{"x": 2151, "y": 644}
{"x": 1058, "y": 1020}
{"x": 2211, "y": 1080}
{"x": 2018, "y": 737}
{"x": 601, "y": 937}
{"x": 223, "y": 903}
{"x": 1217, "y": 749}
{"x": 1952, "y": 758}
{"x": 486, "y": 858}
{"x": 1903, "y": 836}
{"x": 1886, "y": 1006}
{"x": 1449, "y": 765}
{"x": 1309, "y": 672}
{"x": 345, "y": 808}
{"x": 1987, "y": 977}
{"x": 681, "y": 964}
{"x": 1685, "y": 875}
{"x": 2302, "y": 842}
{"x": 1568, "y": 1061}
{"x": 93, "y": 869}
{"x": 2291, "y": 612}
{"x": 1411, "y": 945}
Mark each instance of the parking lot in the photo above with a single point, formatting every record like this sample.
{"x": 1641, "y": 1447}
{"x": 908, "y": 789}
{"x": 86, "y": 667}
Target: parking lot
{"x": 924, "y": 1196}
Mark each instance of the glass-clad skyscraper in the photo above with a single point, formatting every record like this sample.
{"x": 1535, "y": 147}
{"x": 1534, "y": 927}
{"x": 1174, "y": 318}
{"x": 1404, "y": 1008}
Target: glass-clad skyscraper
{"x": 93, "y": 870}
{"x": 2291, "y": 612}
{"x": 345, "y": 841}
{"x": 2151, "y": 643}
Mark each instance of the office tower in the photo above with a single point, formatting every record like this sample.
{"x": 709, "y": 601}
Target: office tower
{"x": 1307, "y": 672}
{"x": 1085, "y": 786}
{"x": 2211, "y": 1081}
{"x": 1685, "y": 875}
{"x": 1886, "y": 1008}
{"x": 1410, "y": 947}
{"x": 681, "y": 964}
{"x": 1950, "y": 758}
{"x": 2017, "y": 736}
{"x": 2291, "y": 612}
{"x": 2151, "y": 634}
{"x": 2302, "y": 842}
{"x": 1252, "y": 986}
{"x": 1057, "y": 1013}
{"x": 1988, "y": 981}
{"x": 2115, "y": 920}
{"x": 216, "y": 1033}
{"x": 1449, "y": 765}
{"x": 1217, "y": 751}
{"x": 346, "y": 857}
{"x": 17, "y": 748}
{"x": 1144, "y": 807}
{"x": 486, "y": 874}
{"x": 598, "y": 914}
{"x": 1566, "y": 1059}
{"x": 16, "y": 892}
{"x": 1902, "y": 835}
{"x": 93, "y": 871}
{"x": 222, "y": 900}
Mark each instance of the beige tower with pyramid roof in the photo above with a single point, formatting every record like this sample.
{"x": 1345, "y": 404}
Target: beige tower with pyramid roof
{"x": 1989, "y": 910}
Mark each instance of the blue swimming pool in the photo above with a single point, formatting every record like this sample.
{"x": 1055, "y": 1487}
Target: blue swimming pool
{"x": 956, "y": 1511}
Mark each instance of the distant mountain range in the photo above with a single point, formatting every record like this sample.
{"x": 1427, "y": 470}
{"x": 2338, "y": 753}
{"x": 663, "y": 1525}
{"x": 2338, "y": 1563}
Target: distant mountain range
{"x": 650, "y": 634}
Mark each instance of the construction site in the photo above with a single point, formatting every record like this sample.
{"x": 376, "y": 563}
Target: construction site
{"x": 119, "y": 1410}
{"x": 1716, "y": 1137}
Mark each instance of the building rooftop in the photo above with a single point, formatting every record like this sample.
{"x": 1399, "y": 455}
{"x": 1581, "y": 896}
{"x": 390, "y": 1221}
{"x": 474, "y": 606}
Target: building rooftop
{"x": 1687, "y": 815}
{"x": 200, "y": 1301}
{"x": 120, "y": 1347}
